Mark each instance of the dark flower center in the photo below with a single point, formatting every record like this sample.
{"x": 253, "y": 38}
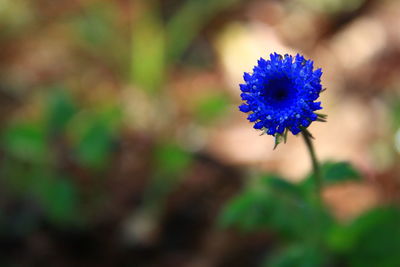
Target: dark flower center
{"x": 279, "y": 92}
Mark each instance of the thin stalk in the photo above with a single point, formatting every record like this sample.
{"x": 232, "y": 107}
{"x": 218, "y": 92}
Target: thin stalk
{"x": 316, "y": 168}
{"x": 317, "y": 177}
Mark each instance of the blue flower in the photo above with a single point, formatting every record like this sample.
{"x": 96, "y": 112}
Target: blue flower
{"x": 280, "y": 94}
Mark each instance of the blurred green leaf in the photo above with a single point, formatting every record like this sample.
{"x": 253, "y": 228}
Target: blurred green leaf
{"x": 20, "y": 177}
{"x": 185, "y": 25}
{"x": 373, "y": 239}
{"x": 148, "y": 50}
{"x": 94, "y": 147}
{"x": 112, "y": 116}
{"x": 16, "y": 16}
{"x": 281, "y": 186}
{"x": 248, "y": 211}
{"x": 339, "y": 171}
{"x": 211, "y": 107}
{"x": 299, "y": 255}
{"x": 273, "y": 203}
{"x": 395, "y": 110}
{"x": 26, "y": 141}
{"x": 170, "y": 162}
{"x": 100, "y": 36}
{"x": 92, "y": 134}
{"x": 56, "y": 195}
{"x": 95, "y": 24}
{"x": 60, "y": 110}
{"x": 332, "y": 173}
{"x": 59, "y": 199}
{"x": 171, "y": 158}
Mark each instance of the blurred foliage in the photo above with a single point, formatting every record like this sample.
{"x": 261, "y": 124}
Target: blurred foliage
{"x": 92, "y": 137}
{"x": 148, "y": 50}
{"x": 395, "y": 111}
{"x": 31, "y": 166}
{"x": 170, "y": 162}
{"x": 45, "y": 156}
{"x": 302, "y": 255}
{"x": 171, "y": 159}
{"x": 332, "y": 173}
{"x": 58, "y": 197}
{"x": 60, "y": 110}
{"x": 15, "y": 15}
{"x": 373, "y": 239}
{"x": 185, "y": 25}
{"x": 209, "y": 108}
{"x": 156, "y": 44}
{"x": 26, "y": 141}
{"x": 97, "y": 30}
{"x": 274, "y": 202}
{"x": 313, "y": 236}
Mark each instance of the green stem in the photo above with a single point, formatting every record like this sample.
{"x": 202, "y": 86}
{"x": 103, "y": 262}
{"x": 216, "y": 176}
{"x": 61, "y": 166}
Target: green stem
{"x": 316, "y": 168}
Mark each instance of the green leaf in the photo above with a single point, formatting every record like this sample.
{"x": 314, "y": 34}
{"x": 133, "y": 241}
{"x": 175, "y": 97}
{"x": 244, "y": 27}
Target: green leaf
{"x": 148, "y": 49}
{"x": 171, "y": 158}
{"x": 275, "y": 204}
{"x": 188, "y": 21}
{"x": 248, "y": 211}
{"x": 93, "y": 29}
{"x": 281, "y": 186}
{"x": 211, "y": 107}
{"x": 332, "y": 173}
{"x": 373, "y": 239}
{"x": 16, "y": 17}
{"x": 98, "y": 33}
{"x": 94, "y": 148}
{"x": 26, "y": 141}
{"x": 170, "y": 163}
{"x": 299, "y": 255}
{"x": 56, "y": 195}
{"x": 92, "y": 135}
{"x": 59, "y": 199}
{"x": 60, "y": 110}
{"x": 94, "y": 26}
{"x": 395, "y": 111}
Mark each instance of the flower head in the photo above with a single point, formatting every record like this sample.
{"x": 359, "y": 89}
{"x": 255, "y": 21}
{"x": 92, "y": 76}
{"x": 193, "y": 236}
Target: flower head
{"x": 280, "y": 94}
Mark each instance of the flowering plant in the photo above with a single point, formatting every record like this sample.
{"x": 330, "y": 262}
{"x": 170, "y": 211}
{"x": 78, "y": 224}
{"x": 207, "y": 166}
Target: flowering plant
{"x": 280, "y": 95}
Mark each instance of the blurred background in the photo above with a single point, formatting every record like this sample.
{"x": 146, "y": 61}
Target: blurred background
{"x": 122, "y": 144}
